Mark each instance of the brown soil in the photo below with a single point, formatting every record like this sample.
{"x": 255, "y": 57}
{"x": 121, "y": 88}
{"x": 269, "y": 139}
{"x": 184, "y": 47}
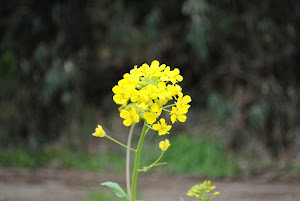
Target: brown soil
{"x": 66, "y": 185}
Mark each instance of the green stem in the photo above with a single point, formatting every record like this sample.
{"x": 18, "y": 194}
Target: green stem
{"x": 128, "y": 160}
{"x": 149, "y": 127}
{"x": 158, "y": 164}
{"x": 123, "y": 145}
{"x": 161, "y": 155}
{"x": 169, "y": 106}
{"x": 166, "y": 110}
{"x": 137, "y": 162}
{"x": 154, "y": 164}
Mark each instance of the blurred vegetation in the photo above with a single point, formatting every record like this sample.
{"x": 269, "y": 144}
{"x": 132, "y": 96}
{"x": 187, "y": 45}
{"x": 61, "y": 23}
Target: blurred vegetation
{"x": 100, "y": 196}
{"x": 62, "y": 157}
{"x": 205, "y": 157}
{"x": 60, "y": 59}
{"x": 202, "y": 157}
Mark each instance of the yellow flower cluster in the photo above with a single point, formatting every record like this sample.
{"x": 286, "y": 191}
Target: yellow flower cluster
{"x": 146, "y": 91}
{"x": 203, "y": 191}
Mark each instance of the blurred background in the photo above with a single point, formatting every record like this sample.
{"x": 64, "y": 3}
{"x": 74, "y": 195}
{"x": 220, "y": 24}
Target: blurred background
{"x": 240, "y": 61}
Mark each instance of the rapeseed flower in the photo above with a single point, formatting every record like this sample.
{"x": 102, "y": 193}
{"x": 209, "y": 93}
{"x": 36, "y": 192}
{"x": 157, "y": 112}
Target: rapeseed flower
{"x": 146, "y": 91}
{"x": 162, "y": 127}
{"x": 99, "y": 132}
{"x": 129, "y": 116}
{"x": 203, "y": 191}
{"x": 164, "y": 145}
{"x": 153, "y": 114}
{"x": 182, "y": 101}
{"x": 178, "y": 114}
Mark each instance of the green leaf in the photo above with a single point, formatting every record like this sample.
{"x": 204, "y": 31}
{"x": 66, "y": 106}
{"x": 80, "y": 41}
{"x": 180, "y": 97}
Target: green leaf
{"x": 116, "y": 189}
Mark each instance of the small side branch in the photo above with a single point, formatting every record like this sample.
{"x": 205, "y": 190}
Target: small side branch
{"x": 123, "y": 145}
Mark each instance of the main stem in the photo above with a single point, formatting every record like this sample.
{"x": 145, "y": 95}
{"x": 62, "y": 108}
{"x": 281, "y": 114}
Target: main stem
{"x": 128, "y": 160}
{"x": 137, "y": 162}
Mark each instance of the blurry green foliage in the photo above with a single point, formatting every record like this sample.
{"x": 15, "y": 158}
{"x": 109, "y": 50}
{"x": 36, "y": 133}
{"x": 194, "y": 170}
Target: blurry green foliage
{"x": 100, "y": 196}
{"x": 17, "y": 158}
{"x": 60, "y": 59}
{"x": 61, "y": 157}
{"x": 220, "y": 108}
{"x": 257, "y": 116}
{"x": 202, "y": 156}
{"x": 8, "y": 60}
{"x": 206, "y": 157}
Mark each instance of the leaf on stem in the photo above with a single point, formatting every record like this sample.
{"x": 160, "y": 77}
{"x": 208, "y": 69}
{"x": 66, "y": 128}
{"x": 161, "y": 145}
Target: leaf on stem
{"x": 116, "y": 188}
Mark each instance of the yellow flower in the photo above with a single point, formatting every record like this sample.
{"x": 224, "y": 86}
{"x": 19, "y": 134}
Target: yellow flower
{"x": 143, "y": 96}
{"x": 146, "y": 90}
{"x": 178, "y": 114}
{"x": 182, "y": 101}
{"x": 162, "y": 127}
{"x": 153, "y": 114}
{"x": 99, "y": 132}
{"x": 133, "y": 93}
{"x": 151, "y": 91}
{"x": 131, "y": 78}
{"x": 129, "y": 116}
{"x": 174, "y": 89}
{"x": 120, "y": 97}
{"x": 175, "y": 77}
{"x": 142, "y": 107}
{"x": 164, "y": 145}
{"x": 172, "y": 76}
{"x": 163, "y": 94}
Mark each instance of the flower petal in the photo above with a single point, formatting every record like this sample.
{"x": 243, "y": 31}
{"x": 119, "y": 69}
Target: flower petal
{"x": 127, "y": 122}
{"x": 181, "y": 118}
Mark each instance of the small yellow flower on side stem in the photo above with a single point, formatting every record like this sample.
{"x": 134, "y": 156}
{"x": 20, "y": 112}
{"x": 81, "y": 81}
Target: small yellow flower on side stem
{"x": 99, "y": 132}
{"x": 164, "y": 145}
{"x": 162, "y": 127}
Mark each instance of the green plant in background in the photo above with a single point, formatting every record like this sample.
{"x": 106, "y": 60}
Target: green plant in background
{"x": 207, "y": 157}
{"x": 144, "y": 94}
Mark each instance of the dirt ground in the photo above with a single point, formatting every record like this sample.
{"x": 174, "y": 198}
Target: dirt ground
{"x": 66, "y": 185}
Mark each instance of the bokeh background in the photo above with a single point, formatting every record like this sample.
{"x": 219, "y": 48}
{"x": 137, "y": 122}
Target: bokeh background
{"x": 240, "y": 62}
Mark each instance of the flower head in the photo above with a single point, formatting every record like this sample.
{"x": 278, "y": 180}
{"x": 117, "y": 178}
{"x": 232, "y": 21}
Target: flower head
{"x": 164, "y": 145}
{"x": 99, "y": 132}
{"x": 162, "y": 127}
{"x": 203, "y": 191}
{"x": 146, "y": 91}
